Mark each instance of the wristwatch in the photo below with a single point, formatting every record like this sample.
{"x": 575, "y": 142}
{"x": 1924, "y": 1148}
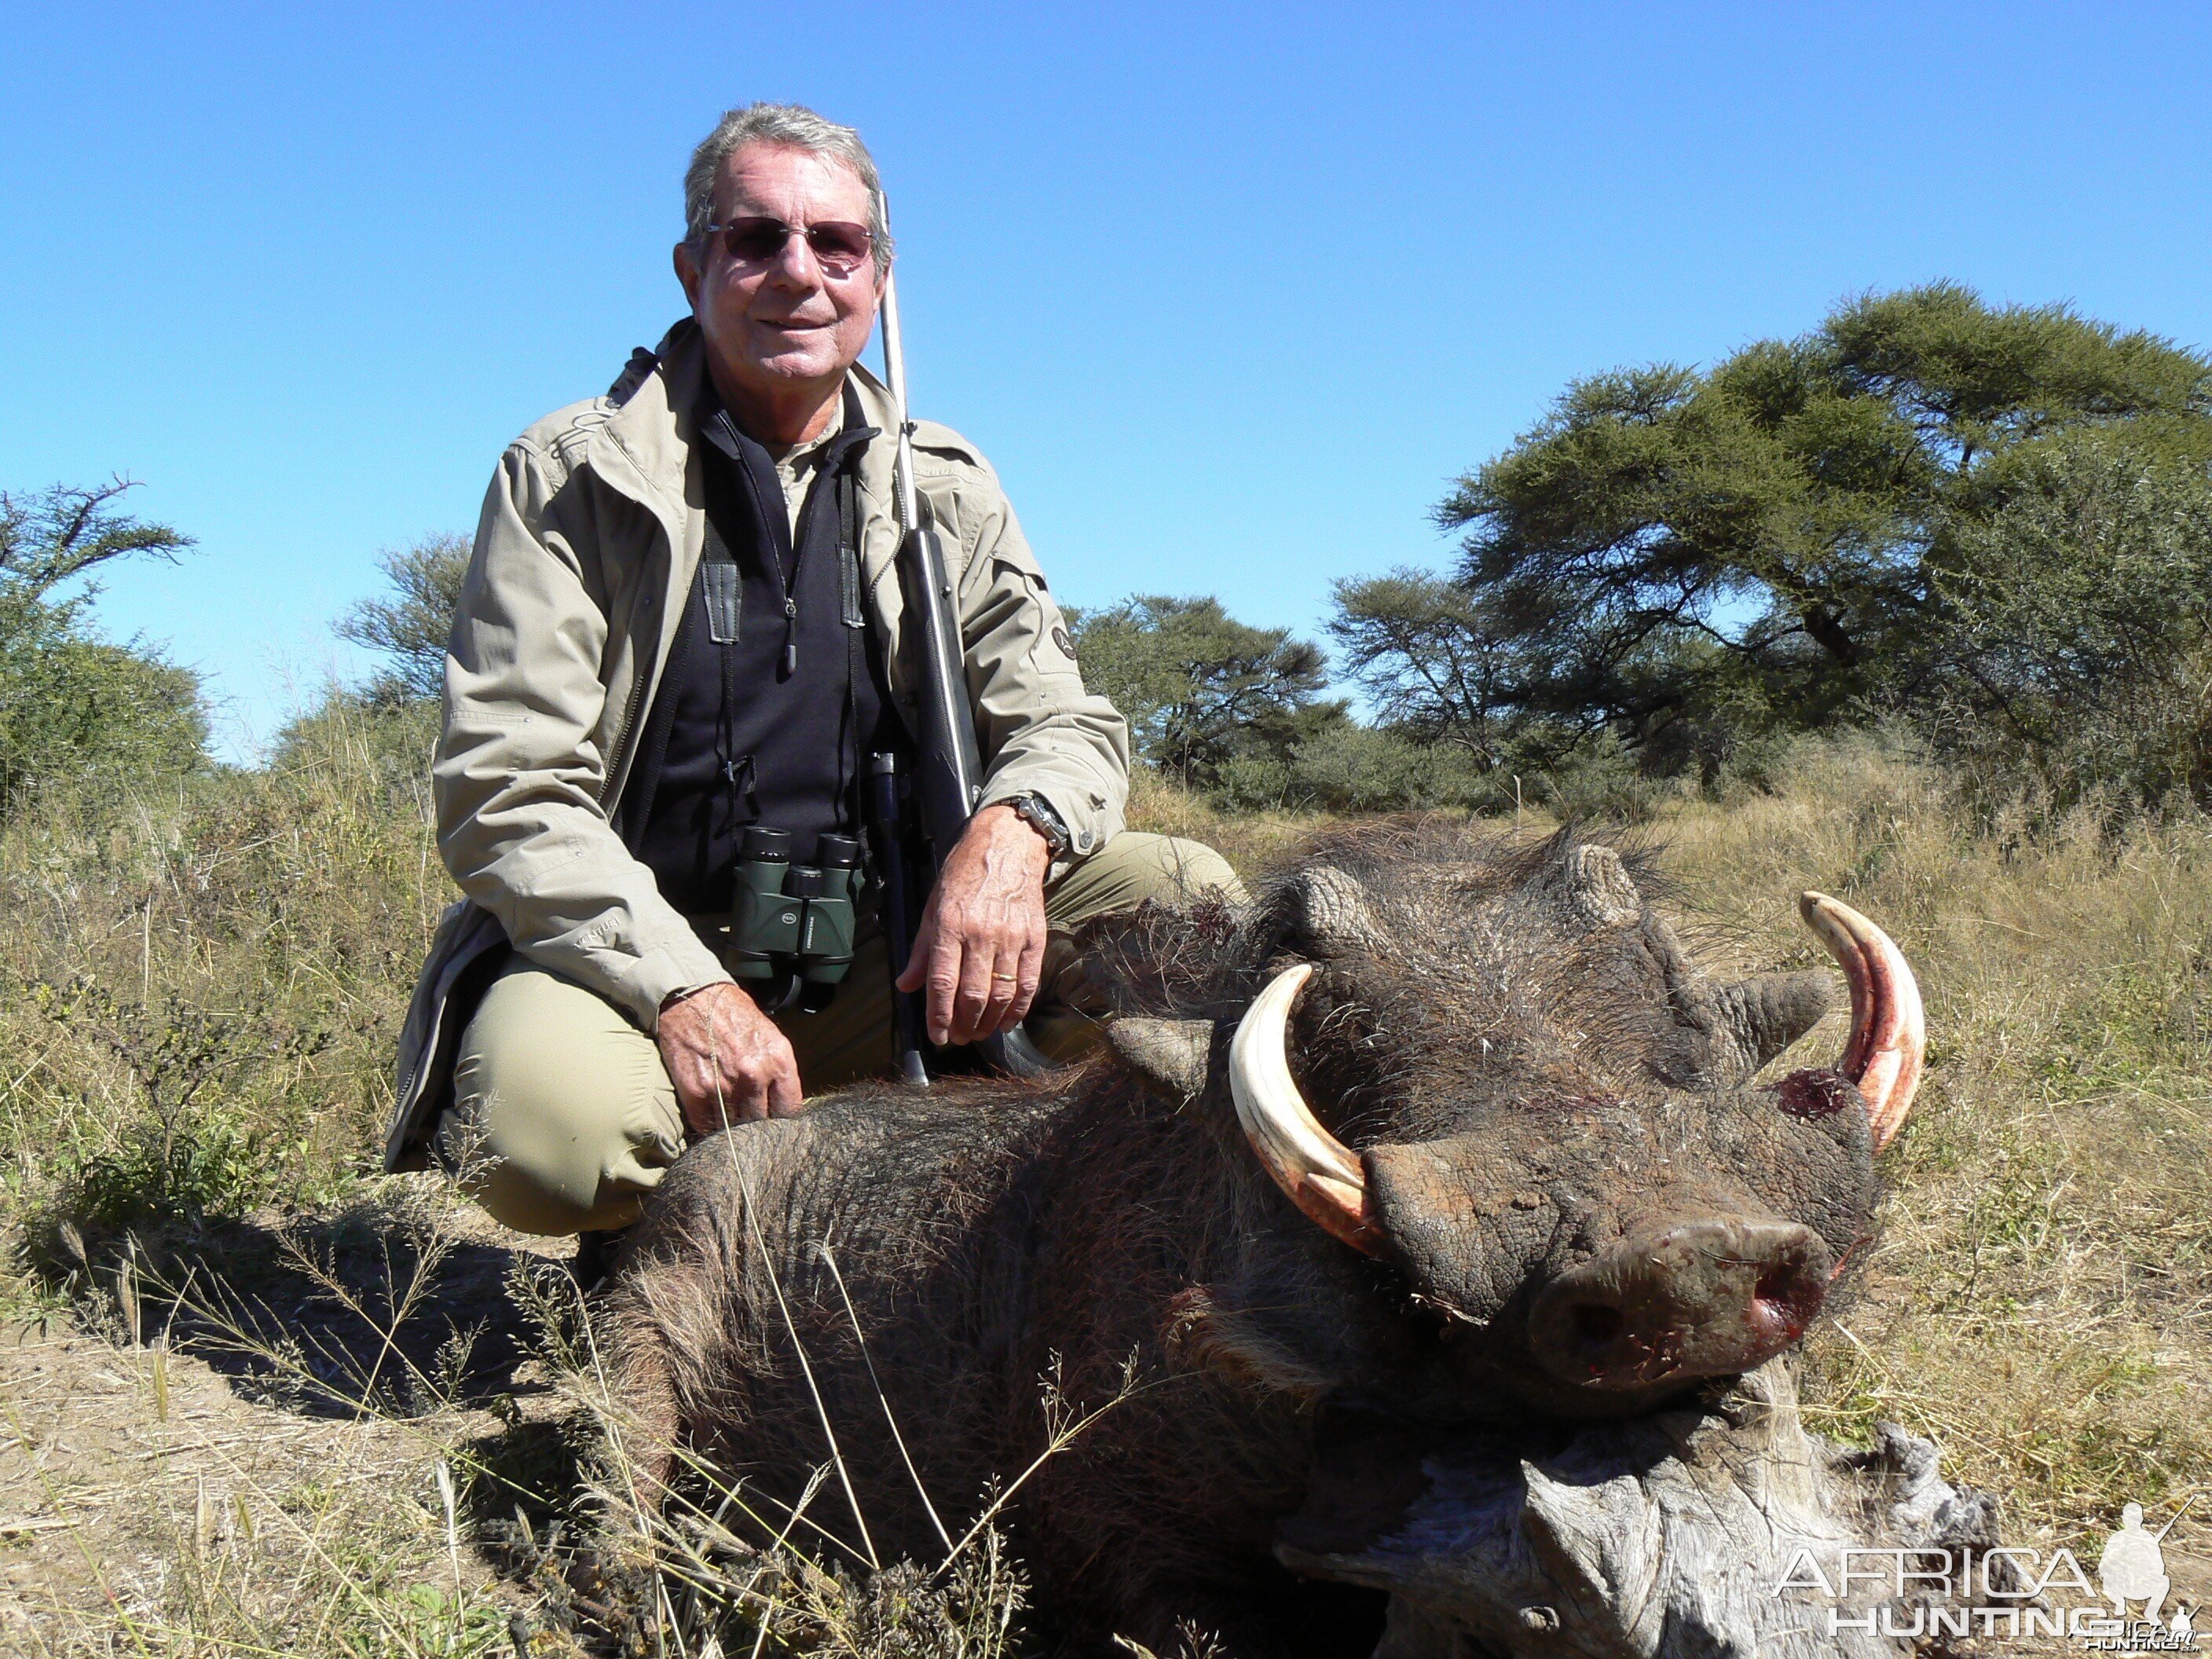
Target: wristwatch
{"x": 1037, "y": 811}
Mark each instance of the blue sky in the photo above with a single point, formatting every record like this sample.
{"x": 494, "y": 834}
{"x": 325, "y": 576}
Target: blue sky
{"x": 1228, "y": 294}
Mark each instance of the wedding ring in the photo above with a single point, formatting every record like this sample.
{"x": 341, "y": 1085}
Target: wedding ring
{"x": 1009, "y": 978}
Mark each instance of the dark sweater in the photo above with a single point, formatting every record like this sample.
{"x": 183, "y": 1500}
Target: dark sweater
{"x": 773, "y": 728}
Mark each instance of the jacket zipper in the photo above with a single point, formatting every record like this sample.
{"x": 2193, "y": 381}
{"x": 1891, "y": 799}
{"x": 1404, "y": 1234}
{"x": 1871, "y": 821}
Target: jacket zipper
{"x": 622, "y": 736}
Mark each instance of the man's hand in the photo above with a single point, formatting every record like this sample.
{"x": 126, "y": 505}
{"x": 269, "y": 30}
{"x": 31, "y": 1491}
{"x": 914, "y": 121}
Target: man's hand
{"x": 728, "y": 1061}
{"x": 980, "y": 944}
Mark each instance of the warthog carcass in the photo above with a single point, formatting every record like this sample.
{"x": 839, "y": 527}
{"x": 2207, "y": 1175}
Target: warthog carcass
{"x": 1448, "y": 1131}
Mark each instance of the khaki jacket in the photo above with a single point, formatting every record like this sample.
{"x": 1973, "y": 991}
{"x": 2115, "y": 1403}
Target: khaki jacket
{"x": 590, "y": 533}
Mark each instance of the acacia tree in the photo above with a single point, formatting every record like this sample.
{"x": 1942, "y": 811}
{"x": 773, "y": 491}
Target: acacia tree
{"x": 50, "y": 536}
{"x": 1202, "y": 689}
{"x": 1434, "y": 663}
{"x": 1777, "y": 541}
{"x": 2077, "y": 640}
{"x": 407, "y": 628}
{"x": 70, "y": 699}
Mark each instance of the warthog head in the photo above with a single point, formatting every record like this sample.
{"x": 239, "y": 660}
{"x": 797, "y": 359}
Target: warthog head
{"x": 1491, "y": 1071}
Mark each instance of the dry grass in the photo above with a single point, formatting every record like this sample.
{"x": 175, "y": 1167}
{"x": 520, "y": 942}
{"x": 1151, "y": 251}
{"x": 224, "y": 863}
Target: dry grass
{"x": 1250, "y": 841}
{"x": 2041, "y": 1300}
{"x": 199, "y": 999}
{"x": 198, "y": 1463}
{"x": 205, "y": 979}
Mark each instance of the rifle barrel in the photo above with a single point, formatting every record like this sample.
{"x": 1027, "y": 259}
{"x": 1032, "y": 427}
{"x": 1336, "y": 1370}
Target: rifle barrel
{"x": 895, "y": 378}
{"x": 948, "y": 779}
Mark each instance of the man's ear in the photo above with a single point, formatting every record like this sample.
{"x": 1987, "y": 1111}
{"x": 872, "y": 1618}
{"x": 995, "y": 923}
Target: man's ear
{"x": 687, "y": 272}
{"x": 1174, "y": 1055}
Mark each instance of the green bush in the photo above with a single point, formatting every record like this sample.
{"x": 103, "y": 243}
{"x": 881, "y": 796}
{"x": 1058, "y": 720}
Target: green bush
{"x": 2074, "y": 649}
{"x": 362, "y": 733}
{"x": 70, "y": 703}
{"x": 1601, "y": 782}
{"x": 1359, "y": 768}
{"x": 206, "y": 982}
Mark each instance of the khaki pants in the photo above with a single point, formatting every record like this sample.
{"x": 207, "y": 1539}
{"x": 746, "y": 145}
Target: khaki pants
{"x": 563, "y": 1117}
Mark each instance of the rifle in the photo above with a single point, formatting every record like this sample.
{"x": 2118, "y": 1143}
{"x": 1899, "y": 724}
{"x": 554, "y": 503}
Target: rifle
{"x": 947, "y": 780}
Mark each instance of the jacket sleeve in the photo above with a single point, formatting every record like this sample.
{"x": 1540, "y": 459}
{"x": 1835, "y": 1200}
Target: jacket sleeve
{"x": 1042, "y": 732}
{"x": 519, "y": 773}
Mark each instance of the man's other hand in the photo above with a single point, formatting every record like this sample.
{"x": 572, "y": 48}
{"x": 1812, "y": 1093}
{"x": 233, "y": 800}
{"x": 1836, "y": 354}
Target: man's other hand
{"x": 729, "y": 1062}
{"x": 980, "y": 944}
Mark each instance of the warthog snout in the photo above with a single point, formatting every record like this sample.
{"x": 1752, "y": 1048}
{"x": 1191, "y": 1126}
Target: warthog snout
{"x": 1699, "y": 1298}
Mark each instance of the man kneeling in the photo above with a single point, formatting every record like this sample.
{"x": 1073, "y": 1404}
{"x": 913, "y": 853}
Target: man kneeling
{"x": 681, "y": 620}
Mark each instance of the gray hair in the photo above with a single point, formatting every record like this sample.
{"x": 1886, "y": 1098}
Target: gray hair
{"x": 796, "y": 127}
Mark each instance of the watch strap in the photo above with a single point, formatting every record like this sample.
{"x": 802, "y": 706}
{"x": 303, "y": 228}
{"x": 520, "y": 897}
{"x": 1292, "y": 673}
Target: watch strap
{"x": 1037, "y": 811}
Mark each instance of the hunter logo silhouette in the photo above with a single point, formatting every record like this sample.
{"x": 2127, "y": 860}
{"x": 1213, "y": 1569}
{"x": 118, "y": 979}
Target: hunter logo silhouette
{"x": 2133, "y": 1566}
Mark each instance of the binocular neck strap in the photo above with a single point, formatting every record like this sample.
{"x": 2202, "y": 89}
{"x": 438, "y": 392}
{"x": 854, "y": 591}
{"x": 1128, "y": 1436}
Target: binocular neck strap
{"x": 855, "y": 620}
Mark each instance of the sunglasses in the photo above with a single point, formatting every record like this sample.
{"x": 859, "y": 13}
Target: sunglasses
{"x": 839, "y": 248}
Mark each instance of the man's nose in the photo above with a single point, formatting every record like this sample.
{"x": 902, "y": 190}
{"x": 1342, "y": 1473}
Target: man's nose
{"x": 794, "y": 265}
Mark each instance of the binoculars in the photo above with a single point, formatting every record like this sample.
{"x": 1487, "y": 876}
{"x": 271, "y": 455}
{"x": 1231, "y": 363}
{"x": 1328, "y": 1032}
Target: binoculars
{"x": 793, "y": 923}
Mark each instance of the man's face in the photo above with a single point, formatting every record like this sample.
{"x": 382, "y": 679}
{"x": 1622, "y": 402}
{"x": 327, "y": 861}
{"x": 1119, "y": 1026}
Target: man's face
{"x": 783, "y": 327}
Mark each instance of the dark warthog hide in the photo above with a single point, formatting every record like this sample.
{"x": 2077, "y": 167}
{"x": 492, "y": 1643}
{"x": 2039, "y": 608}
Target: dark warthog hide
{"x": 1487, "y": 1150}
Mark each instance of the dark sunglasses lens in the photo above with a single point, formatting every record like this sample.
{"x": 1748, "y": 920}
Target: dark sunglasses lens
{"x": 755, "y": 240}
{"x": 839, "y": 247}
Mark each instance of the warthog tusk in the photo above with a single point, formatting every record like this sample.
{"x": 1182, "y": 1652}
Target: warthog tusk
{"x": 1889, "y": 1031}
{"x": 1319, "y": 1172}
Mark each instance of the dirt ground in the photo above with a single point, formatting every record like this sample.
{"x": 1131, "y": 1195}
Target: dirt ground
{"x": 240, "y": 1434}
{"x": 257, "y": 1451}
{"x": 123, "y": 1466}
{"x": 267, "y": 1441}
{"x": 115, "y": 1457}
{"x": 197, "y": 1454}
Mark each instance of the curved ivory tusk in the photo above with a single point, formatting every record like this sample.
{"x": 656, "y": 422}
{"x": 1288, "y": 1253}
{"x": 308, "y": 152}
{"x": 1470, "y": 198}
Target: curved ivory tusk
{"x": 1319, "y": 1172}
{"x": 1889, "y": 1034}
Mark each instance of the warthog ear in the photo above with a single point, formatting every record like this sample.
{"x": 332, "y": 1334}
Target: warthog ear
{"x": 1597, "y": 887}
{"x": 1328, "y": 907}
{"x": 1174, "y": 1054}
{"x": 1765, "y": 1015}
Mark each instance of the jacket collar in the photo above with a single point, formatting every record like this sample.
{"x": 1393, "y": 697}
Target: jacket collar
{"x": 654, "y": 429}
{"x": 879, "y": 460}
{"x": 653, "y": 435}
{"x": 644, "y": 450}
